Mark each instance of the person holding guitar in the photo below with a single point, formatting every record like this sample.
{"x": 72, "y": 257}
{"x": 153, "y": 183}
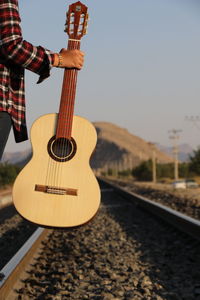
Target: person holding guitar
{"x": 16, "y": 55}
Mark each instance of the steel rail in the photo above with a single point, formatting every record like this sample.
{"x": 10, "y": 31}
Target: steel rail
{"x": 12, "y": 270}
{"x": 179, "y": 220}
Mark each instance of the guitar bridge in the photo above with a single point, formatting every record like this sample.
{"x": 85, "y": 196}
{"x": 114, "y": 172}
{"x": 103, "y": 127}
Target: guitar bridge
{"x": 55, "y": 190}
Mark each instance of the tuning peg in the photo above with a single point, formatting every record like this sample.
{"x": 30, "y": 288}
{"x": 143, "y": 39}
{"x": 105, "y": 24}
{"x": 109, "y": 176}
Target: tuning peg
{"x": 85, "y": 31}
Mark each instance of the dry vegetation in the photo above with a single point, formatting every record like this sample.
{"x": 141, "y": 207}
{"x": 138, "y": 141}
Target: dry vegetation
{"x": 189, "y": 193}
{"x": 6, "y": 190}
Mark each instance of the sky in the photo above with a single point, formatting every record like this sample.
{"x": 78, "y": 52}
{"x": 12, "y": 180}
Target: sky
{"x": 141, "y": 71}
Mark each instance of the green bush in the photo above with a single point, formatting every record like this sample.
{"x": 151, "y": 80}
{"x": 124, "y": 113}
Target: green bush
{"x": 8, "y": 173}
{"x": 194, "y": 164}
{"x": 143, "y": 172}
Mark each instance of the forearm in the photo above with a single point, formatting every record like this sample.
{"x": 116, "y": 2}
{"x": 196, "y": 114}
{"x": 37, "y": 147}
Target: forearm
{"x": 13, "y": 47}
{"x": 30, "y": 57}
{"x": 35, "y": 58}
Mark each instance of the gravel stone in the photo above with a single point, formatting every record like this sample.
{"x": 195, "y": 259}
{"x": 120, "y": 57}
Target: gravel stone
{"x": 14, "y": 231}
{"x": 123, "y": 253}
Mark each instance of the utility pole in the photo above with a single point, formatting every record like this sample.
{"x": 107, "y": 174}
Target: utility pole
{"x": 175, "y": 137}
{"x": 154, "y": 175}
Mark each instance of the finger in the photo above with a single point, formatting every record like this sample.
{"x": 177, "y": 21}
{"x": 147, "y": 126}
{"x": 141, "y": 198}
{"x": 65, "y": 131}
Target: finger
{"x": 63, "y": 50}
{"x": 80, "y": 65}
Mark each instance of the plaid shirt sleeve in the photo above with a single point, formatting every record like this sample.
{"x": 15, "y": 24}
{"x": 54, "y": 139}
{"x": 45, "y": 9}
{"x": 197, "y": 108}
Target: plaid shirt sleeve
{"x": 36, "y": 59}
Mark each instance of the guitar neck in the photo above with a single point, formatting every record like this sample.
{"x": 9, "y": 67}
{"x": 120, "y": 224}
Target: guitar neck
{"x": 66, "y": 110}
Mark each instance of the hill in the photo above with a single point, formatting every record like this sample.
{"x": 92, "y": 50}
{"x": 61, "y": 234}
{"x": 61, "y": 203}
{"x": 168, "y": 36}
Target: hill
{"x": 17, "y": 158}
{"x": 119, "y": 149}
{"x": 116, "y": 149}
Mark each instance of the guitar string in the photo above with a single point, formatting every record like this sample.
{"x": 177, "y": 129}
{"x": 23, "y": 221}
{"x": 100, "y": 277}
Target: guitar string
{"x": 65, "y": 130}
{"x": 74, "y": 93}
{"x": 53, "y": 170}
{"x": 59, "y": 125}
{"x": 65, "y": 145}
{"x": 74, "y": 75}
{"x": 52, "y": 166}
{"x": 71, "y": 97}
{"x": 69, "y": 112}
{"x": 65, "y": 149}
{"x": 64, "y": 110}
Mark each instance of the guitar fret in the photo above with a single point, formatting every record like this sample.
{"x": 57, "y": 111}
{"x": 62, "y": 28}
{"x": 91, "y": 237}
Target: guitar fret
{"x": 74, "y": 40}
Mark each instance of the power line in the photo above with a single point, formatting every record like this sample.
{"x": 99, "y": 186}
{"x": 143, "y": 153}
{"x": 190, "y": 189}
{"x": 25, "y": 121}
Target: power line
{"x": 194, "y": 120}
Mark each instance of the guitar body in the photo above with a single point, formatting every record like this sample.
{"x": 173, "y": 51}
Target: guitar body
{"x": 58, "y": 193}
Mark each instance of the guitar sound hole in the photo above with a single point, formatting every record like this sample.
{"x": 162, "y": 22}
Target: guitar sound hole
{"x": 61, "y": 149}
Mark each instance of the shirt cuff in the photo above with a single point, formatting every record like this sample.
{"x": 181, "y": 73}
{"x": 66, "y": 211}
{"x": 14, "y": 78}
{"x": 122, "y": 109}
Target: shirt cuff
{"x": 47, "y": 65}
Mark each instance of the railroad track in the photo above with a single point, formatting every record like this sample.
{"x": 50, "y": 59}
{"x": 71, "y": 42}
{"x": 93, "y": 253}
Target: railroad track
{"x": 188, "y": 206}
{"x": 14, "y": 269}
{"x": 125, "y": 252}
{"x": 181, "y": 221}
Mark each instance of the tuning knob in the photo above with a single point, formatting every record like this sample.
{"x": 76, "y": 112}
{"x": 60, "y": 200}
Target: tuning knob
{"x": 85, "y": 31}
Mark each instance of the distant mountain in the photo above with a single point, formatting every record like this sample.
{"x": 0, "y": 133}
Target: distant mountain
{"x": 17, "y": 158}
{"x": 119, "y": 149}
{"x": 116, "y": 149}
{"x": 185, "y": 151}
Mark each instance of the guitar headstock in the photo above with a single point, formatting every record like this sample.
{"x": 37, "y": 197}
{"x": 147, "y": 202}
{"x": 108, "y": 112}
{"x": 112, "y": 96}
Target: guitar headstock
{"x": 77, "y": 19}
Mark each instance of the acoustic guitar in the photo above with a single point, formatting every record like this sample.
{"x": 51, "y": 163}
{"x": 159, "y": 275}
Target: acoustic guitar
{"x": 57, "y": 187}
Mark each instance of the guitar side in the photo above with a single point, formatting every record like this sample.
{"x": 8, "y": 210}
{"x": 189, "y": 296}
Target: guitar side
{"x": 54, "y": 193}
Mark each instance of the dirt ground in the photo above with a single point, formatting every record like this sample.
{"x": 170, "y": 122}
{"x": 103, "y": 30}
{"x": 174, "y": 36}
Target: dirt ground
{"x": 5, "y": 191}
{"x": 193, "y": 193}
{"x": 190, "y": 193}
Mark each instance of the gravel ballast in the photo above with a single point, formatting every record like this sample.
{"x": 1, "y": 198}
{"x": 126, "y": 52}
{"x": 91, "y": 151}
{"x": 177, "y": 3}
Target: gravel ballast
{"x": 178, "y": 200}
{"x": 123, "y": 253}
{"x": 14, "y": 231}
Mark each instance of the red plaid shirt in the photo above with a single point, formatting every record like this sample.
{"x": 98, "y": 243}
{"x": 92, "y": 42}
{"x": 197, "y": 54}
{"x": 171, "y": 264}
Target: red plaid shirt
{"x": 16, "y": 55}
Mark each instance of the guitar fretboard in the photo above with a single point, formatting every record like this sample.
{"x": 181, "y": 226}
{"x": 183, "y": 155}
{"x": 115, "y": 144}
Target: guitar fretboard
{"x": 66, "y": 110}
